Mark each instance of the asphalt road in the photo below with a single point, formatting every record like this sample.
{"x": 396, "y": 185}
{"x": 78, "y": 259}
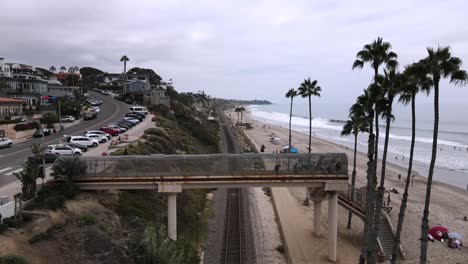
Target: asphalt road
{"x": 12, "y": 159}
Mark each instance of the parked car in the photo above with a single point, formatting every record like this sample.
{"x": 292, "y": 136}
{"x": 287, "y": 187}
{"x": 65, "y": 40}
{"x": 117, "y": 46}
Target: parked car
{"x": 137, "y": 117}
{"x": 139, "y": 109}
{"x": 90, "y": 115}
{"x": 82, "y": 140}
{"x": 49, "y": 158}
{"x": 99, "y": 132}
{"x": 5, "y": 142}
{"x": 124, "y": 125}
{"x": 40, "y": 132}
{"x": 105, "y": 92}
{"x": 113, "y": 132}
{"x": 96, "y": 109}
{"x": 115, "y": 126}
{"x": 67, "y": 118}
{"x": 131, "y": 119}
{"x": 63, "y": 150}
{"x": 78, "y": 146}
{"x": 99, "y": 138}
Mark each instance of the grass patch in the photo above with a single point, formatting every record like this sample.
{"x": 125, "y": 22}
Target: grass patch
{"x": 13, "y": 259}
{"x": 89, "y": 219}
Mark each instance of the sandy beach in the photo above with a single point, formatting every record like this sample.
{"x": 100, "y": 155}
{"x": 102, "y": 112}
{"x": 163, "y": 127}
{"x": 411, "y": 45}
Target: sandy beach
{"x": 448, "y": 204}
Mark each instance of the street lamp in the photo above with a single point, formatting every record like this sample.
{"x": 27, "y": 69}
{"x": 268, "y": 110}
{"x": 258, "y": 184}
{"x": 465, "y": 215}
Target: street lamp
{"x": 32, "y": 108}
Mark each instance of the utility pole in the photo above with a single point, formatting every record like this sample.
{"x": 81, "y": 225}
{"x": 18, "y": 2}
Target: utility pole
{"x": 60, "y": 116}
{"x": 43, "y": 158}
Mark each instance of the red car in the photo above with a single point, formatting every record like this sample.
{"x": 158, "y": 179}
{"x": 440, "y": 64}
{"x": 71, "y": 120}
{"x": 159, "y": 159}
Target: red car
{"x": 111, "y": 131}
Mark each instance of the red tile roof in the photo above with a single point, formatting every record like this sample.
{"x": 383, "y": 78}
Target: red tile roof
{"x": 10, "y": 100}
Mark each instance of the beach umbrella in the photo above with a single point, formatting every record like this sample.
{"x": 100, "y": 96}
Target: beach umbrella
{"x": 437, "y": 232}
{"x": 455, "y": 236}
{"x": 294, "y": 150}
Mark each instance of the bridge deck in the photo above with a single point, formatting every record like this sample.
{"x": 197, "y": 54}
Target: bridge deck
{"x": 216, "y": 170}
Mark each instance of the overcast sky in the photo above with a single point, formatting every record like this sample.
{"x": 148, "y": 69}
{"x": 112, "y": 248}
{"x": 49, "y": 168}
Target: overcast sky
{"x": 234, "y": 49}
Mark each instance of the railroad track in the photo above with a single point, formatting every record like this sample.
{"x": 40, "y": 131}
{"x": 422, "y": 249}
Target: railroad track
{"x": 233, "y": 245}
{"x": 233, "y": 250}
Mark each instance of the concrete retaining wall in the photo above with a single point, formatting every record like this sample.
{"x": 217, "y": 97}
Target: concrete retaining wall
{"x": 12, "y": 134}
{"x": 7, "y": 210}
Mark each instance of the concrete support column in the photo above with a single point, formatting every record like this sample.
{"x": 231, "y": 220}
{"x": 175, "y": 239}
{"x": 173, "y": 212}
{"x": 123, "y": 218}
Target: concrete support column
{"x": 317, "y": 215}
{"x": 332, "y": 225}
{"x": 172, "y": 216}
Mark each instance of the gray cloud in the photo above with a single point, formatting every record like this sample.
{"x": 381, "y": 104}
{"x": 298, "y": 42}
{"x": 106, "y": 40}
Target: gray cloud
{"x": 236, "y": 49}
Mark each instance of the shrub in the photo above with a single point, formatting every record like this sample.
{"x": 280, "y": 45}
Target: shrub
{"x": 3, "y": 228}
{"x": 26, "y": 126}
{"x": 9, "y": 121}
{"x": 49, "y": 119}
{"x": 54, "y": 202}
{"x": 89, "y": 219}
{"x": 280, "y": 249}
{"x": 13, "y": 259}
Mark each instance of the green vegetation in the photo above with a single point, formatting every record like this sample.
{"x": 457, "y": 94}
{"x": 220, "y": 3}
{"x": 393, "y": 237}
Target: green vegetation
{"x": 377, "y": 102}
{"x": 124, "y": 59}
{"x": 49, "y": 119}
{"x": 153, "y": 76}
{"x": 69, "y": 107}
{"x": 89, "y": 219}
{"x": 86, "y": 72}
{"x": 13, "y": 259}
{"x": 67, "y": 170}
{"x": 28, "y": 176}
{"x": 280, "y": 249}
{"x": 10, "y": 121}
{"x": 27, "y": 126}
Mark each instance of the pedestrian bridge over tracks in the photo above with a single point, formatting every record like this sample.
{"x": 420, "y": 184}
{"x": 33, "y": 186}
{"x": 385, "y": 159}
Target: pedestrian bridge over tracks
{"x": 327, "y": 173}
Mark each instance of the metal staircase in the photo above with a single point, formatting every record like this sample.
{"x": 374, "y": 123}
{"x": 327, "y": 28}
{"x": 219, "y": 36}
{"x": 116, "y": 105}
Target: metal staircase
{"x": 386, "y": 231}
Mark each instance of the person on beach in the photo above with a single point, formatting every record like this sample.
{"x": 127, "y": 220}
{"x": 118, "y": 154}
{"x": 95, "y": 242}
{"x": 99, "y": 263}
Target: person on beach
{"x": 388, "y": 200}
{"x": 262, "y": 148}
{"x": 412, "y": 180}
{"x": 399, "y": 177}
{"x": 277, "y": 167}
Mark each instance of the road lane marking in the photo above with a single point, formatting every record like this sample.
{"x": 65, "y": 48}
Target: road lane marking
{"x": 15, "y": 171}
{"x": 5, "y": 169}
{"x": 80, "y": 131}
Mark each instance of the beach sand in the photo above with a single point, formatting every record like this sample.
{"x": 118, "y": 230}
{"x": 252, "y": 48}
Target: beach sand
{"x": 448, "y": 204}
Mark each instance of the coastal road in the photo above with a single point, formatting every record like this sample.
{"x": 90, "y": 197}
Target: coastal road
{"x": 12, "y": 159}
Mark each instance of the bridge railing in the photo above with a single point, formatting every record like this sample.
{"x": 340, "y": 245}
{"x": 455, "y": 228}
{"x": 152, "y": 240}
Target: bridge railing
{"x": 217, "y": 165}
{"x": 355, "y": 196}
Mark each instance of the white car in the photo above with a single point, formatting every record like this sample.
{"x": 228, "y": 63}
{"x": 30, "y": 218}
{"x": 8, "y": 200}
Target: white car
{"x": 139, "y": 109}
{"x": 99, "y": 132}
{"x": 84, "y": 141}
{"x": 63, "y": 150}
{"x": 67, "y": 119}
{"x": 5, "y": 142}
{"x": 99, "y": 138}
{"x": 131, "y": 119}
{"x": 96, "y": 109}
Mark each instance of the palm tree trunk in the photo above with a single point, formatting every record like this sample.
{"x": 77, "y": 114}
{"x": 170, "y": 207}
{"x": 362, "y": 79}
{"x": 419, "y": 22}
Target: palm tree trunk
{"x": 125, "y": 66}
{"x": 425, "y": 219}
{"x": 376, "y": 151}
{"x": 381, "y": 190}
{"x": 366, "y": 250}
{"x": 353, "y": 179}
{"x": 310, "y": 124}
{"x": 290, "y": 119}
{"x": 404, "y": 201}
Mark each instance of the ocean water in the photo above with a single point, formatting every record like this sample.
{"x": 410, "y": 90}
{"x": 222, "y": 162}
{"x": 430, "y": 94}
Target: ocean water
{"x": 328, "y": 120}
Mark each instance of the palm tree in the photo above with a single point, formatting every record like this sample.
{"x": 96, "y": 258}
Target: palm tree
{"x": 28, "y": 177}
{"x": 376, "y": 53}
{"x": 355, "y": 125}
{"x": 67, "y": 170}
{"x": 290, "y": 94}
{"x": 124, "y": 59}
{"x": 52, "y": 69}
{"x": 416, "y": 80}
{"x": 241, "y": 111}
{"x": 308, "y": 89}
{"x": 237, "y": 110}
{"x": 364, "y": 106}
{"x": 438, "y": 64}
{"x": 391, "y": 83}
{"x": 62, "y": 69}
